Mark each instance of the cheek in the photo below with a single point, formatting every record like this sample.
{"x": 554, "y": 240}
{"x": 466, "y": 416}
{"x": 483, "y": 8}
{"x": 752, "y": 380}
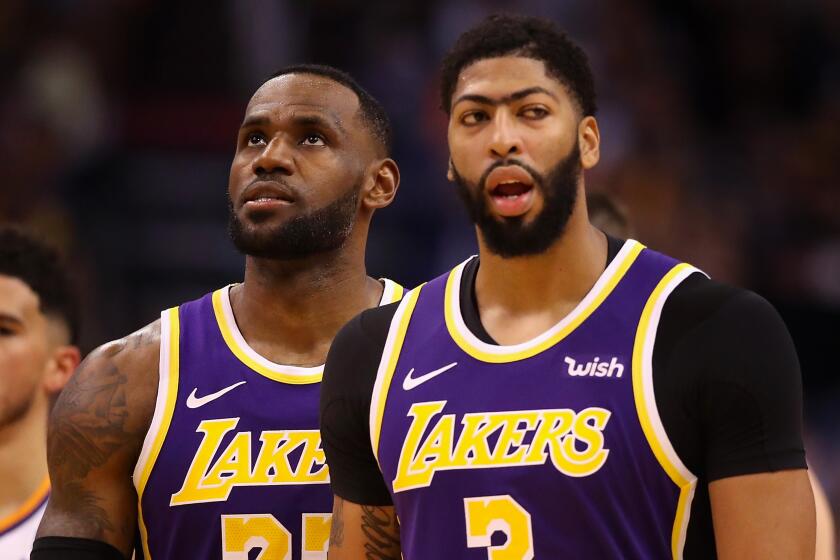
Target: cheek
{"x": 22, "y": 366}
{"x": 465, "y": 154}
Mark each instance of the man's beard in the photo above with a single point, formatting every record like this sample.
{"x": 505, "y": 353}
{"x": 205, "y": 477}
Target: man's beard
{"x": 319, "y": 231}
{"x": 512, "y": 237}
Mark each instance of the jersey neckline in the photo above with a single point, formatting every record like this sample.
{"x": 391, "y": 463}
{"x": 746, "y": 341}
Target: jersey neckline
{"x": 32, "y": 504}
{"x": 284, "y": 373}
{"x": 497, "y": 353}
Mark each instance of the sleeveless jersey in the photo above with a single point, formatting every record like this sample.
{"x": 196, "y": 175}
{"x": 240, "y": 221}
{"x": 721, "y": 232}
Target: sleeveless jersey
{"x": 17, "y": 530}
{"x": 232, "y": 461}
{"x": 551, "y": 448}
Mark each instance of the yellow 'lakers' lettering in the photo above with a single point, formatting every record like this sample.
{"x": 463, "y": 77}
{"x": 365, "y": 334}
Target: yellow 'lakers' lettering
{"x": 212, "y": 481}
{"x": 573, "y": 441}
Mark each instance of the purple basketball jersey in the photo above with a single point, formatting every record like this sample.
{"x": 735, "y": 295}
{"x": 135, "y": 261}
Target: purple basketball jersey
{"x": 551, "y": 448}
{"x": 232, "y": 465}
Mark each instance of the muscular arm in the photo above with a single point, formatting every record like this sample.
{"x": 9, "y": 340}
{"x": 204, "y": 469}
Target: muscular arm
{"x": 95, "y": 435}
{"x": 368, "y": 531}
{"x": 730, "y": 392}
{"x": 359, "y": 531}
{"x": 766, "y": 515}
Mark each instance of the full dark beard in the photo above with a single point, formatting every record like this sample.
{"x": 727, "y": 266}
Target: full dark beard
{"x": 320, "y": 231}
{"x": 512, "y": 237}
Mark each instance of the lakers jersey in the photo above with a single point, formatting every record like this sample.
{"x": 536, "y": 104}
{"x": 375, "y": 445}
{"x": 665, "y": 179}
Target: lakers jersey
{"x": 17, "y": 531}
{"x": 551, "y": 448}
{"x": 232, "y": 465}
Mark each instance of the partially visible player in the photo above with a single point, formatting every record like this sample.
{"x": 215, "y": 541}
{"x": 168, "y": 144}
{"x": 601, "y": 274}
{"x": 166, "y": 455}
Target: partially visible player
{"x": 201, "y": 429}
{"x": 566, "y": 394}
{"x": 38, "y": 330}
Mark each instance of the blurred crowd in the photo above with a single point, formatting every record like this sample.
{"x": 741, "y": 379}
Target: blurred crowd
{"x": 719, "y": 124}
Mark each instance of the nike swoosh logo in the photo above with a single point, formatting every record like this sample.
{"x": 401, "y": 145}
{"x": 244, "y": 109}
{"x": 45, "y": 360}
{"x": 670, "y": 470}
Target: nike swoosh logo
{"x": 195, "y": 402}
{"x": 410, "y": 383}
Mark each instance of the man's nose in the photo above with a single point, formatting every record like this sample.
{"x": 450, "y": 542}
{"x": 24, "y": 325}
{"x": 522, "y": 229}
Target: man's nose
{"x": 505, "y": 140}
{"x": 275, "y": 157}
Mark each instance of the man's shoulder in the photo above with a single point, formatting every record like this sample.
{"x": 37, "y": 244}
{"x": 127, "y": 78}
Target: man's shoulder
{"x": 121, "y": 374}
{"x": 700, "y": 300}
{"x": 367, "y": 330}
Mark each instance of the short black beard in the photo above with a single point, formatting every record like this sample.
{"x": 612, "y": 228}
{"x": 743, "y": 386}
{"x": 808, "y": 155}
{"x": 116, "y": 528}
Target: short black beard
{"x": 322, "y": 230}
{"x": 511, "y": 237}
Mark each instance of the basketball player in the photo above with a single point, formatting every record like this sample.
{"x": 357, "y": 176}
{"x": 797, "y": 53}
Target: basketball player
{"x": 201, "y": 428}
{"x": 38, "y": 328}
{"x": 565, "y": 394}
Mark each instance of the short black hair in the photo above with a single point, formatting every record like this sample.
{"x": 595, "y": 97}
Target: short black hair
{"x": 531, "y": 37}
{"x": 36, "y": 263}
{"x": 373, "y": 114}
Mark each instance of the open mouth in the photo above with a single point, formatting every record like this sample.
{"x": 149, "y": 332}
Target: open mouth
{"x": 511, "y": 190}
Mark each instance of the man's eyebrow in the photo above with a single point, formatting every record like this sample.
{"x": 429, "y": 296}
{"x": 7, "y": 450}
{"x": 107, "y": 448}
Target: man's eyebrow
{"x": 515, "y": 96}
{"x": 9, "y": 318}
{"x": 318, "y": 120}
{"x": 310, "y": 119}
{"x": 254, "y": 120}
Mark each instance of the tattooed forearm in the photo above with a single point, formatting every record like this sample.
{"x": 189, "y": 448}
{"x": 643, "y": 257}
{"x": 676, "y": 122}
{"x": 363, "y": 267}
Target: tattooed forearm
{"x": 88, "y": 423}
{"x": 337, "y": 526}
{"x": 89, "y": 517}
{"x": 383, "y": 533}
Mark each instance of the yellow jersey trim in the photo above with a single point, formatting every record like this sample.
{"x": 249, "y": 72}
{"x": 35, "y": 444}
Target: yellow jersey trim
{"x": 295, "y": 375}
{"x": 390, "y": 356}
{"x": 27, "y": 508}
{"x": 170, "y": 342}
{"x": 499, "y": 354}
{"x": 236, "y": 343}
{"x": 646, "y": 403}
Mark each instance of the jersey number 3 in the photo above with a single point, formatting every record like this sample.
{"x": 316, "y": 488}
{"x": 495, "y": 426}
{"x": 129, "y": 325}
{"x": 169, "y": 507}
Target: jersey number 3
{"x": 242, "y": 533}
{"x": 488, "y": 514}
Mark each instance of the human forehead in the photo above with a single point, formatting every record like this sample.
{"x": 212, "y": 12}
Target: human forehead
{"x": 499, "y": 77}
{"x": 17, "y": 298}
{"x": 292, "y": 92}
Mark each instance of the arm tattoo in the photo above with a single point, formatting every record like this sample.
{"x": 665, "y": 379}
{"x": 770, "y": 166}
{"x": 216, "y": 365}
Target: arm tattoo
{"x": 89, "y": 421}
{"x": 337, "y": 526}
{"x": 90, "y": 518}
{"x": 383, "y": 534}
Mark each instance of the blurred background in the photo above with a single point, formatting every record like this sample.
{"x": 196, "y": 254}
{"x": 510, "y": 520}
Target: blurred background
{"x": 720, "y": 125}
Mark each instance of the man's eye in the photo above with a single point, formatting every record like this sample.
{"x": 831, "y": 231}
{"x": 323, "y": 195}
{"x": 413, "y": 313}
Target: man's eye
{"x": 4, "y": 331}
{"x": 473, "y": 117}
{"x": 313, "y": 140}
{"x": 534, "y": 112}
{"x": 255, "y": 139}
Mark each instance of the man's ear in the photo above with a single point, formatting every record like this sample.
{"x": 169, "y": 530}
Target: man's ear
{"x": 384, "y": 187}
{"x": 63, "y": 362}
{"x": 589, "y": 140}
{"x": 450, "y": 171}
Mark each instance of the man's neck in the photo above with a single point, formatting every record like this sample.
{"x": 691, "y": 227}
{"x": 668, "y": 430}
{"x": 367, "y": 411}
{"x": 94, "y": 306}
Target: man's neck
{"x": 522, "y": 297}
{"x": 23, "y": 458}
{"x": 289, "y": 311}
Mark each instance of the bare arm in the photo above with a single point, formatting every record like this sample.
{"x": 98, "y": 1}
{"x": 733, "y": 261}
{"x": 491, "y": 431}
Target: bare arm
{"x": 768, "y": 515}
{"x": 95, "y": 435}
{"x": 363, "y": 532}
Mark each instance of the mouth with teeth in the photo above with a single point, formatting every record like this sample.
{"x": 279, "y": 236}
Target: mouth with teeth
{"x": 511, "y": 191}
